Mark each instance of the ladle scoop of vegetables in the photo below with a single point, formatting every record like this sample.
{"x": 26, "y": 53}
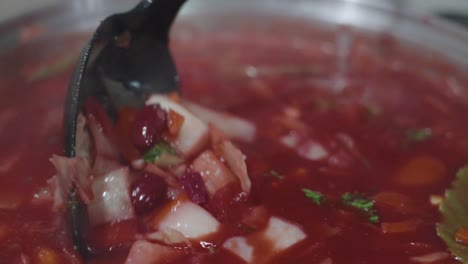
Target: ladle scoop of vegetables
{"x": 126, "y": 60}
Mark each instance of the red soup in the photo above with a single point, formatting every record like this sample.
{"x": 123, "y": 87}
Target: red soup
{"x": 272, "y": 155}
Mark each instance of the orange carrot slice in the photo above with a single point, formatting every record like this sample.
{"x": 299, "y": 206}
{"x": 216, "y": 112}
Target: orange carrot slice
{"x": 421, "y": 170}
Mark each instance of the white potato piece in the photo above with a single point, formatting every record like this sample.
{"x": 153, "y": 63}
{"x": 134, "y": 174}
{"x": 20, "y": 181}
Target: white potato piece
{"x": 279, "y": 235}
{"x": 214, "y": 173}
{"x": 283, "y": 234}
{"x": 234, "y": 127}
{"x": 193, "y": 134}
{"x": 185, "y": 221}
{"x": 144, "y": 252}
{"x": 112, "y": 200}
{"x": 240, "y": 246}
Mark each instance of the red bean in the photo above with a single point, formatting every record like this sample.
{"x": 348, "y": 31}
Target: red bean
{"x": 148, "y": 127}
{"x": 147, "y": 193}
{"x": 193, "y": 185}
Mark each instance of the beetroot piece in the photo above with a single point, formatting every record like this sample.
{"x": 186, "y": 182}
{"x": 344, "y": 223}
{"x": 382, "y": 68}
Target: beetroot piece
{"x": 147, "y": 192}
{"x": 148, "y": 126}
{"x": 193, "y": 185}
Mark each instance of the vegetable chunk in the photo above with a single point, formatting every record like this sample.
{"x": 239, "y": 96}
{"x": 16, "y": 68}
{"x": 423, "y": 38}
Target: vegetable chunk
{"x": 193, "y": 133}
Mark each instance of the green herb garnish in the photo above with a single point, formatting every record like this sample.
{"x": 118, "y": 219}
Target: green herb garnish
{"x": 454, "y": 209}
{"x": 162, "y": 154}
{"x": 374, "y": 219}
{"x": 361, "y": 203}
{"x": 418, "y": 135}
{"x": 274, "y": 174}
{"x": 246, "y": 228}
{"x": 316, "y": 197}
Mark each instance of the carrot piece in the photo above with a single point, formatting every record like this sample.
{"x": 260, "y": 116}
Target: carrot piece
{"x": 400, "y": 227}
{"x": 421, "y": 170}
{"x": 174, "y": 122}
{"x": 123, "y": 132}
{"x": 174, "y": 96}
{"x": 46, "y": 255}
{"x": 461, "y": 236}
{"x": 395, "y": 201}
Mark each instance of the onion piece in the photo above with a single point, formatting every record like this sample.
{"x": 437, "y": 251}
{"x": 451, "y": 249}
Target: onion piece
{"x": 71, "y": 170}
{"x": 183, "y": 220}
{"x": 241, "y": 247}
{"x": 193, "y": 133}
{"x": 214, "y": 173}
{"x": 289, "y": 233}
{"x": 144, "y": 252}
{"x": 101, "y": 130}
{"x": 83, "y": 138}
{"x": 431, "y": 257}
{"x": 112, "y": 201}
{"x": 154, "y": 169}
{"x": 306, "y": 148}
{"x": 252, "y": 248}
{"x": 234, "y": 158}
{"x": 235, "y": 127}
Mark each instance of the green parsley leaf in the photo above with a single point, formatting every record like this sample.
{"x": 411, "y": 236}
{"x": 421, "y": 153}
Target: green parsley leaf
{"x": 361, "y": 203}
{"x": 246, "y": 228}
{"x": 454, "y": 210}
{"x": 374, "y": 219}
{"x": 317, "y": 197}
{"x": 160, "y": 151}
{"x": 274, "y": 174}
{"x": 418, "y": 135}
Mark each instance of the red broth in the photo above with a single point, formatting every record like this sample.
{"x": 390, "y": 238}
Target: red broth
{"x": 386, "y": 124}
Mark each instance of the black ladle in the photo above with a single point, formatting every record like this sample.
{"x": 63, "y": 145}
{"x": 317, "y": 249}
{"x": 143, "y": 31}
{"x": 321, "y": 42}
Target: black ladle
{"x": 127, "y": 59}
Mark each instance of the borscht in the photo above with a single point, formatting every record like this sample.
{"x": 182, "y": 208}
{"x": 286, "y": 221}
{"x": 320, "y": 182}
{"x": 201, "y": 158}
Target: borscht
{"x": 302, "y": 154}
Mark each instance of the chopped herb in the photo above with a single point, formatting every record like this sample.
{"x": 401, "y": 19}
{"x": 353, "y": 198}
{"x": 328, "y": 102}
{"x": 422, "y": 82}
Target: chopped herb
{"x": 374, "y": 219}
{"x": 273, "y": 173}
{"x": 358, "y": 201}
{"x": 418, "y": 135}
{"x": 361, "y": 203}
{"x": 317, "y": 197}
{"x": 246, "y": 228}
{"x": 162, "y": 154}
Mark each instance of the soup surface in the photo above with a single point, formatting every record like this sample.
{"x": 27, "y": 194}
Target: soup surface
{"x": 348, "y": 150}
